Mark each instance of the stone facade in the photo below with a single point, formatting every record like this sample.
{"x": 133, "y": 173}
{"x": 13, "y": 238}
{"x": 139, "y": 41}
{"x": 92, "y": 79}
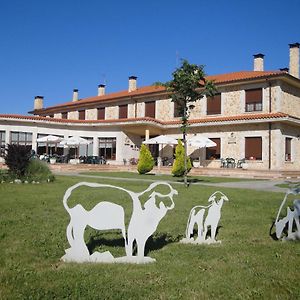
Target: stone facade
{"x": 91, "y": 114}
{"x": 111, "y": 112}
{"x": 290, "y": 100}
{"x": 73, "y": 115}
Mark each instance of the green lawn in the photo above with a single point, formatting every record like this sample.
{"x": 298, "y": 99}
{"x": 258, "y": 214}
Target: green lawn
{"x": 248, "y": 264}
{"x": 152, "y": 176}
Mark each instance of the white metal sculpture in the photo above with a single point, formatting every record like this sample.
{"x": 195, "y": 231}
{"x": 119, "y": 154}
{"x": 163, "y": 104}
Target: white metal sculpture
{"x": 196, "y": 217}
{"x": 291, "y": 220}
{"x": 107, "y": 215}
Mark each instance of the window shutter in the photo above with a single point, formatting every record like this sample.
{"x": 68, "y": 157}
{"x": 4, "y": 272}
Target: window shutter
{"x": 150, "y": 109}
{"x": 82, "y": 115}
{"x": 123, "y": 111}
{"x": 214, "y": 105}
{"x": 253, "y": 148}
{"x": 254, "y": 96}
{"x": 101, "y": 113}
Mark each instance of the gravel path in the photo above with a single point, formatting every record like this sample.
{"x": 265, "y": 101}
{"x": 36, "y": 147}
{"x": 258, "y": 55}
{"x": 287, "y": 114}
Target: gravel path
{"x": 259, "y": 185}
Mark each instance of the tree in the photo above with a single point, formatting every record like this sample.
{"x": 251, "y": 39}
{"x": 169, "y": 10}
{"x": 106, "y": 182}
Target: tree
{"x": 188, "y": 86}
{"x": 146, "y": 161}
{"x": 17, "y": 159}
{"x": 178, "y": 168}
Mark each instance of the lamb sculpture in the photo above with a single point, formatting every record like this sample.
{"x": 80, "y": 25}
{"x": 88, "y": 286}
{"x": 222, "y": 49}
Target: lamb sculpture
{"x": 196, "y": 217}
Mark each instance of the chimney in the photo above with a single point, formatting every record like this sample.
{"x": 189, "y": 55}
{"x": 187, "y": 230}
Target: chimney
{"x": 132, "y": 84}
{"x": 75, "y": 95}
{"x": 294, "y": 59}
{"x": 286, "y": 70}
{"x": 38, "y": 102}
{"x": 101, "y": 89}
{"x": 258, "y": 62}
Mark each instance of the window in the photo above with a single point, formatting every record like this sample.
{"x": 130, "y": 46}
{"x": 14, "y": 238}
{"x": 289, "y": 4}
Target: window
{"x": 64, "y": 115}
{"x": 288, "y": 149}
{"x": 2, "y": 143}
{"x": 123, "y": 111}
{"x": 21, "y": 138}
{"x": 214, "y": 152}
{"x": 107, "y": 148}
{"x": 253, "y": 148}
{"x": 101, "y": 113}
{"x": 150, "y": 109}
{"x": 214, "y": 105}
{"x": 253, "y": 100}
{"x": 81, "y": 114}
{"x": 177, "y": 112}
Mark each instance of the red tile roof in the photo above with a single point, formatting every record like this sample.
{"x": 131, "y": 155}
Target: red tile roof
{"x": 114, "y": 96}
{"x": 245, "y": 117}
{"x": 243, "y": 75}
{"x": 148, "y": 90}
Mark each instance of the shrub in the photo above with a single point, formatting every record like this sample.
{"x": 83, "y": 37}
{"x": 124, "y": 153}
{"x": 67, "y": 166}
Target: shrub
{"x": 146, "y": 161}
{"x": 178, "y": 166}
{"x": 17, "y": 158}
{"x": 38, "y": 170}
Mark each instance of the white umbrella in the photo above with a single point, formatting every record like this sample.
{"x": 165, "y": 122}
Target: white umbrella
{"x": 162, "y": 139}
{"x": 74, "y": 141}
{"x": 49, "y": 139}
{"x": 200, "y": 141}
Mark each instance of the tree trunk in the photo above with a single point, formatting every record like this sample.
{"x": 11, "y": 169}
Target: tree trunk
{"x": 185, "y": 150}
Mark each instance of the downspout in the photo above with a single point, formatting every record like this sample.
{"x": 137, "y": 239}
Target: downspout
{"x": 270, "y": 124}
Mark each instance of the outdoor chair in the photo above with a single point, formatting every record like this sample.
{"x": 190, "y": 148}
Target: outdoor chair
{"x": 223, "y": 163}
{"x": 230, "y": 162}
{"x": 240, "y": 162}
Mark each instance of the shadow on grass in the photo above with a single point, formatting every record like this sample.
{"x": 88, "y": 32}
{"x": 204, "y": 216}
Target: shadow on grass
{"x": 95, "y": 243}
{"x": 192, "y": 180}
{"x": 153, "y": 243}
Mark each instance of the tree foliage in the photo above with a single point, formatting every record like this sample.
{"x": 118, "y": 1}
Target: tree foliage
{"x": 178, "y": 168}
{"x": 17, "y": 159}
{"x": 146, "y": 161}
{"x": 188, "y": 86}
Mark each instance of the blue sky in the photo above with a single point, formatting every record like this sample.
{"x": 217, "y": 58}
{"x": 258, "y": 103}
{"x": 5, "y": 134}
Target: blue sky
{"x": 49, "y": 48}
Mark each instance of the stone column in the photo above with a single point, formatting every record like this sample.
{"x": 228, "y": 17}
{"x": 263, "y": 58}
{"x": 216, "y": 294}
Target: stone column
{"x": 34, "y": 143}
{"x": 7, "y": 137}
{"x": 147, "y": 134}
{"x": 95, "y": 146}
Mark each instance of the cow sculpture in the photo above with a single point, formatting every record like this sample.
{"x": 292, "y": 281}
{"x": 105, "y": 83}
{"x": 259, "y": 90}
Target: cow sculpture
{"x": 291, "y": 220}
{"x": 196, "y": 217}
{"x": 107, "y": 215}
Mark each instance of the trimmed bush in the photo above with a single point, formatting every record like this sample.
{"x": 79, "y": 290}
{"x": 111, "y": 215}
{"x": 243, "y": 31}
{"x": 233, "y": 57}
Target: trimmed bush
{"x": 178, "y": 165}
{"x": 146, "y": 161}
{"x": 17, "y": 159}
{"x": 38, "y": 170}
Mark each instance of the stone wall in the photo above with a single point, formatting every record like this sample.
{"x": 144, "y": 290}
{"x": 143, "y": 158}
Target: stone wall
{"x": 73, "y": 115}
{"x": 111, "y": 112}
{"x": 91, "y": 114}
{"x": 57, "y": 116}
{"x": 164, "y": 109}
{"x": 290, "y": 100}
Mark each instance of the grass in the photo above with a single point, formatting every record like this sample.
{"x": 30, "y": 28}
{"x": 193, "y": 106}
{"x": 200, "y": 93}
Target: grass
{"x": 152, "y": 176}
{"x": 248, "y": 264}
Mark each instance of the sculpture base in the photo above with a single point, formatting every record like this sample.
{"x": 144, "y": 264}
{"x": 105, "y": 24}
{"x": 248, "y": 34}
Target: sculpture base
{"x": 199, "y": 241}
{"x": 106, "y": 257}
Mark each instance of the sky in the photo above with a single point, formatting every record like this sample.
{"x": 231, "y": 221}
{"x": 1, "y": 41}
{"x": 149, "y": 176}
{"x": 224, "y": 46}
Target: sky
{"x": 49, "y": 48}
